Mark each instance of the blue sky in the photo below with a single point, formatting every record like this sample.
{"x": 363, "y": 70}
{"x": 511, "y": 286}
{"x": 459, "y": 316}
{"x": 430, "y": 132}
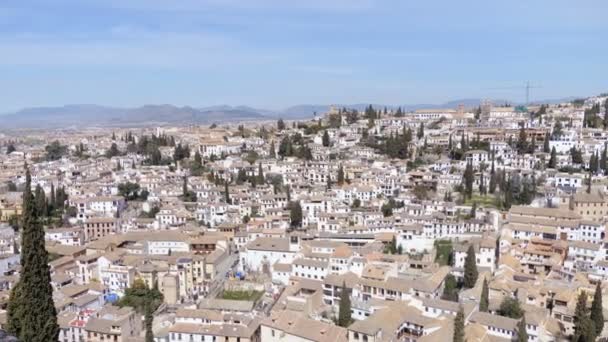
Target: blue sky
{"x": 277, "y": 53}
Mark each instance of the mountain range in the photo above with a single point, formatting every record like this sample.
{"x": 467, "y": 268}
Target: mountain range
{"x": 83, "y": 115}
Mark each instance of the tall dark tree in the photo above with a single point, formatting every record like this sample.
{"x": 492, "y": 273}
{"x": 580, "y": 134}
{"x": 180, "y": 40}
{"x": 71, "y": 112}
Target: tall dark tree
{"x": 606, "y": 114}
{"x": 604, "y": 159}
{"x": 227, "y": 193}
{"x": 10, "y": 148}
{"x": 148, "y": 322}
{"x": 597, "y": 314}
{"x": 584, "y": 327}
{"x": 340, "y": 175}
{"x": 482, "y": 185}
{"x": 32, "y": 315}
{"x": 261, "y": 178}
{"x": 522, "y": 141}
{"x": 113, "y": 151}
{"x": 280, "y": 125}
{"x": 272, "y": 151}
{"x": 522, "y": 334}
{"x": 459, "y": 326}
{"x": 492, "y": 185}
{"x": 196, "y": 168}
{"x": 553, "y": 159}
{"x": 450, "y": 288}
{"x": 40, "y": 201}
{"x": 484, "y": 301}
{"x": 53, "y": 199}
{"x": 546, "y": 146}
{"x": 344, "y": 312}
{"x": 326, "y": 140}
{"x": 468, "y": 180}
{"x": 295, "y": 214}
{"x": 470, "y": 268}
{"x": 420, "y": 133}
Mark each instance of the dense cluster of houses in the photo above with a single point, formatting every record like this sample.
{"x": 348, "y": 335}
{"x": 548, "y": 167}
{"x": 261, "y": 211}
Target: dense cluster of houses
{"x": 303, "y": 211}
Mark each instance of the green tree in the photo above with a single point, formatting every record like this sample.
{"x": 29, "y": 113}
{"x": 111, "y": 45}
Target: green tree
{"x": 387, "y": 209}
{"x": 510, "y": 307}
{"x": 546, "y": 146}
{"x": 196, "y": 167}
{"x": 295, "y": 214}
{"x": 261, "y": 178}
{"x": 606, "y": 114}
{"x": 113, "y": 151}
{"x": 468, "y": 180}
{"x": 522, "y": 141}
{"x": 450, "y": 289}
{"x": 55, "y": 151}
{"x": 420, "y": 133}
{"x": 484, "y": 301}
{"x": 470, "y": 268}
{"x": 130, "y": 191}
{"x": 148, "y": 322}
{"x": 31, "y": 311}
{"x": 553, "y": 159}
{"x": 493, "y": 183}
{"x": 280, "y": 125}
{"x": 344, "y": 313}
{"x": 340, "y": 175}
{"x": 326, "y": 140}
{"x": 522, "y": 334}
{"x": 272, "y": 150}
{"x": 459, "y": 326}
{"x": 227, "y": 193}
{"x": 597, "y": 315}
{"x": 10, "y": 148}
{"x": 139, "y": 295}
{"x": 584, "y": 327}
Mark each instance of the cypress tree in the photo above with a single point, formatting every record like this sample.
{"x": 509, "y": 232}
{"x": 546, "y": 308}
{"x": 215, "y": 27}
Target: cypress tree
{"x": 272, "y": 151}
{"x": 584, "y": 330}
{"x": 326, "y": 139}
{"x": 597, "y": 316}
{"x": 40, "y": 201}
{"x": 603, "y": 159}
{"x": 226, "y": 193}
{"x": 148, "y": 321}
{"x": 295, "y": 214}
{"x": 522, "y": 141}
{"x": 459, "y": 327}
{"x": 53, "y": 197}
{"x": 606, "y": 114}
{"x": 522, "y": 334}
{"x": 470, "y": 268}
{"x": 340, "y": 175}
{"x": 32, "y": 315}
{"x": 469, "y": 178}
{"x": 546, "y": 147}
{"x": 421, "y": 131}
{"x": 344, "y": 313}
{"x": 484, "y": 301}
{"x": 260, "y": 174}
{"x": 553, "y": 158}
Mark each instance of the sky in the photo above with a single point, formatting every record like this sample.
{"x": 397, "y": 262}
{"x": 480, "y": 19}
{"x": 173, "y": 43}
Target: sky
{"x": 277, "y": 53}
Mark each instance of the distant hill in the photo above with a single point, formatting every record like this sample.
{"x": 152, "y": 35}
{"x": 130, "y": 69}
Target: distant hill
{"x": 82, "y": 115}
{"x": 94, "y": 115}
